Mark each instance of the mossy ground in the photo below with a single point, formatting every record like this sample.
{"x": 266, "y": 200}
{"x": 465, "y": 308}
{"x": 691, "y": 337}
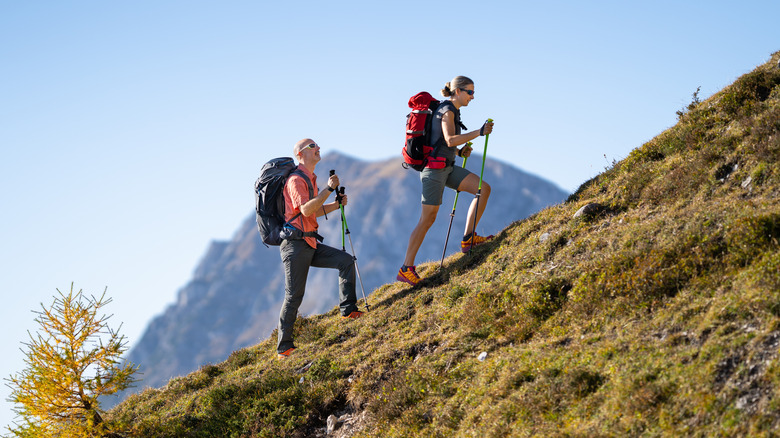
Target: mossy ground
{"x": 657, "y": 314}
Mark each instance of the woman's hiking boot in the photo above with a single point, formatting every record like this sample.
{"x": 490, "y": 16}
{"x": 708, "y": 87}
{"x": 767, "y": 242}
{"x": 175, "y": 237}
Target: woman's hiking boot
{"x": 473, "y": 240}
{"x": 407, "y": 274}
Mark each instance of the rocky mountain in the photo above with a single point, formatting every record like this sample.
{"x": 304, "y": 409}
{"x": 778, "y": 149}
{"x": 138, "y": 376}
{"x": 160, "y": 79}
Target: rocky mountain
{"x": 234, "y": 297}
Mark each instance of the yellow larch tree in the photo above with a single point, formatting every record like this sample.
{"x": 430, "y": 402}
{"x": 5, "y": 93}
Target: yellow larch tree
{"x": 72, "y": 361}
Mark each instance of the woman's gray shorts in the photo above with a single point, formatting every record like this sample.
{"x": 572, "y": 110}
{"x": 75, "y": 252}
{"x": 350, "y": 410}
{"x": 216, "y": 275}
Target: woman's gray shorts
{"x": 434, "y": 180}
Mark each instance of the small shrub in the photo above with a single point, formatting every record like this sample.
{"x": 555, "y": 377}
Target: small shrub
{"x": 455, "y": 293}
{"x": 695, "y": 101}
{"x": 240, "y": 358}
{"x": 584, "y": 382}
{"x": 748, "y": 236}
{"x": 742, "y": 97}
{"x": 548, "y": 297}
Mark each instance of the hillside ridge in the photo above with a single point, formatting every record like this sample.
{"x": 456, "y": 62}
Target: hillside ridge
{"x": 654, "y": 311}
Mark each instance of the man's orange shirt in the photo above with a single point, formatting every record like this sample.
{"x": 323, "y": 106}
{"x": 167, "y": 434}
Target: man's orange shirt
{"x": 296, "y": 193}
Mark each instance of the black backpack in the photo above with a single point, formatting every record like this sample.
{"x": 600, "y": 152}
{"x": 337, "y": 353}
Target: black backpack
{"x": 269, "y": 201}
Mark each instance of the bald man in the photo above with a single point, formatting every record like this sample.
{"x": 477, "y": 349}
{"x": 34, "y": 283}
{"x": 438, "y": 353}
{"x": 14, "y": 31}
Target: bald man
{"x": 302, "y": 250}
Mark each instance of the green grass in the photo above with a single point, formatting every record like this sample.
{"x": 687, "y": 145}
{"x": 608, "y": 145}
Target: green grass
{"x": 657, "y": 315}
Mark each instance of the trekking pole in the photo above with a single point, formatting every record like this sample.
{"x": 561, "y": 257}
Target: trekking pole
{"x": 354, "y": 257}
{"x": 452, "y": 215}
{"x": 479, "y": 189}
{"x": 332, "y": 172}
{"x": 338, "y": 199}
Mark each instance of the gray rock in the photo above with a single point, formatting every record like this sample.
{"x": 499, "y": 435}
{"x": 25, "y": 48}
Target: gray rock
{"x": 332, "y": 424}
{"x": 588, "y": 210}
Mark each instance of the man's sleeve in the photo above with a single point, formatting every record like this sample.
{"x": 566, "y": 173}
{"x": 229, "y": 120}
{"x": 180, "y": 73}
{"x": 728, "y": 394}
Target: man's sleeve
{"x": 297, "y": 192}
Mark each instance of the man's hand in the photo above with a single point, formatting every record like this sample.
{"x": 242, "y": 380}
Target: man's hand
{"x": 333, "y": 181}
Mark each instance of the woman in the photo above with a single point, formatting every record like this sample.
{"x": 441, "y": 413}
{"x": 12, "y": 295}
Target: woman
{"x": 446, "y": 136}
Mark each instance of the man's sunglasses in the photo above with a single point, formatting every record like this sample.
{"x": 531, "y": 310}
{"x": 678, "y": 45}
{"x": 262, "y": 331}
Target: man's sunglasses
{"x": 469, "y": 92}
{"x": 311, "y": 146}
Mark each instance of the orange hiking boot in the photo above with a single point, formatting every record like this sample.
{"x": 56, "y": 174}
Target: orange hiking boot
{"x": 286, "y": 354}
{"x": 354, "y": 315}
{"x": 407, "y": 274}
{"x": 466, "y": 244}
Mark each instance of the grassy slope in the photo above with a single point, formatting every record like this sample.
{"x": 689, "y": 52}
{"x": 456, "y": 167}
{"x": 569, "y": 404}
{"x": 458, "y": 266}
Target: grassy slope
{"x": 656, "y": 314}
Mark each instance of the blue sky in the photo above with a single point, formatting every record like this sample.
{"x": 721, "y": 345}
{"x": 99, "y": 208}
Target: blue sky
{"x": 131, "y": 132}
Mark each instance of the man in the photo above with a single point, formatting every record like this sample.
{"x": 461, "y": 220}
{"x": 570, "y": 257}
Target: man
{"x": 302, "y": 250}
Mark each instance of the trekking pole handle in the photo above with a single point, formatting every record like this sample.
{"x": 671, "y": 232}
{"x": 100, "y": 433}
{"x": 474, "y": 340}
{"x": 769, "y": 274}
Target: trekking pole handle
{"x": 331, "y": 173}
{"x": 338, "y": 198}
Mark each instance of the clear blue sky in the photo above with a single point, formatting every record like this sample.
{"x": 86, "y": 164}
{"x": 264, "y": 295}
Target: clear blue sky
{"x": 132, "y": 132}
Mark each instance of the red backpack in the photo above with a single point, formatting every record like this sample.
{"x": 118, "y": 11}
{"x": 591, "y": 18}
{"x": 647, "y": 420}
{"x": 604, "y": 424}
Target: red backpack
{"x": 417, "y": 149}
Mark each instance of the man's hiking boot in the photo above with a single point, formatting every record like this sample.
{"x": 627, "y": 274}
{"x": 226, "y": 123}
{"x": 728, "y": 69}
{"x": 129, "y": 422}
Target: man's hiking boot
{"x": 466, "y": 244}
{"x": 354, "y": 315}
{"x": 407, "y": 274}
{"x": 286, "y": 354}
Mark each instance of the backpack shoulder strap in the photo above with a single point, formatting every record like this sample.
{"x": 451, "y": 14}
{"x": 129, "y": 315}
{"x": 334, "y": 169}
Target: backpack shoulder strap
{"x": 311, "y": 196}
{"x": 445, "y": 106}
{"x": 300, "y": 173}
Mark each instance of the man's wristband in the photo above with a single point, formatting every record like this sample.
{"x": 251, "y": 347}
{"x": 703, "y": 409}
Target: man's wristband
{"x": 331, "y": 188}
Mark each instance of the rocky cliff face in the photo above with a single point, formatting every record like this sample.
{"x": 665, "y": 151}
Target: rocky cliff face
{"x": 234, "y": 297}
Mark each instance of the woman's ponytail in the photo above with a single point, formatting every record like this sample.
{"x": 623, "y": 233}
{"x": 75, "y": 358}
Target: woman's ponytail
{"x": 446, "y": 91}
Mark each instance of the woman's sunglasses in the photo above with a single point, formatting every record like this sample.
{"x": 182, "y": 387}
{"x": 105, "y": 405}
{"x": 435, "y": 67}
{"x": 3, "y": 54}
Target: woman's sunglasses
{"x": 469, "y": 92}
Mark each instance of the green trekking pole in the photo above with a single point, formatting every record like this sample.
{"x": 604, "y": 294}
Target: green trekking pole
{"x": 479, "y": 189}
{"x": 345, "y": 227}
{"x": 452, "y": 215}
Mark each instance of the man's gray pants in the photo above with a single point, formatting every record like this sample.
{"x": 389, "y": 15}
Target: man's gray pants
{"x": 297, "y": 257}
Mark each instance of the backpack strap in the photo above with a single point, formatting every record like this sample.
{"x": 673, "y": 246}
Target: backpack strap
{"x": 314, "y": 234}
{"x": 443, "y": 108}
{"x": 300, "y": 173}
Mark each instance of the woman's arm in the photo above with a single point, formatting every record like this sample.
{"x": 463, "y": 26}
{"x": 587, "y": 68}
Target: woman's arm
{"x": 454, "y": 140}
